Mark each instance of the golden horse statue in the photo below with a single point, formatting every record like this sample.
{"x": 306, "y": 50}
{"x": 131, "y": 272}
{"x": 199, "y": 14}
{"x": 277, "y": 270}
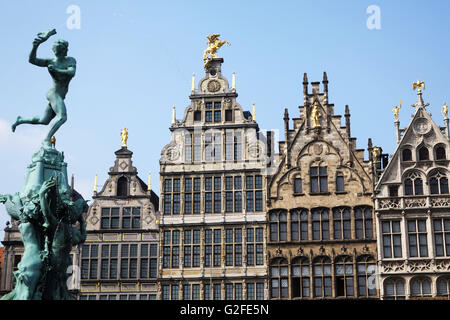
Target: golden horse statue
{"x": 214, "y": 44}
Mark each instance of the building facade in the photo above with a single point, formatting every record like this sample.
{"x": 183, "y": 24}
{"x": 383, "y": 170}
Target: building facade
{"x": 321, "y": 226}
{"x": 119, "y": 260}
{"x": 213, "y": 199}
{"x": 412, "y": 211}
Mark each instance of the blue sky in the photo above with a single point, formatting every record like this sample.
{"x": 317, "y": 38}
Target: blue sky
{"x": 135, "y": 60}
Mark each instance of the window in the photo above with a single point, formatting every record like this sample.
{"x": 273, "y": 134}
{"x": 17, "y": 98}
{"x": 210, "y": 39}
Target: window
{"x": 108, "y": 269}
{"x": 417, "y": 238}
{"x": 255, "y": 295}
{"x": 340, "y": 183}
{"x": 213, "y": 112}
{"x": 320, "y": 224}
{"x": 322, "y": 277}
{"x": 423, "y": 154}
{"x": 128, "y": 261}
{"x": 188, "y": 146}
{"x": 233, "y": 291}
{"x": 110, "y": 218}
{"x": 440, "y": 153}
{"x": 299, "y": 225}
{"x": 213, "y": 248}
{"x": 394, "y": 289}
{"x": 344, "y": 276}
{"x": 391, "y": 234}
{"x": 228, "y": 115}
{"x": 365, "y": 269}
{"x": 301, "y": 286}
{"x": 319, "y": 179}
{"x": 213, "y": 146}
{"x": 89, "y": 261}
{"x": 438, "y": 183}
{"x": 172, "y": 196}
{"x": 420, "y": 287}
{"x": 197, "y": 154}
{"x": 233, "y": 145}
{"x": 233, "y": 247}
{"x": 191, "y": 292}
{"x": 217, "y": 291}
{"x": 192, "y": 195}
{"x": 393, "y": 191}
{"x": 213, "y": 199}
{"x": 342, "y": 223}
{"x": 122, "y": 187}
{"x": 443, "y": 286}
{"x": 413, "y": 184}
{"x": 278, "y": 226}
{"x": 279, "y": 279}
{"x": 253, "y": 193}
{"x": 191, "y": 248}
{"x": 171, "y": 249}
{"x": 363, "y": 222}
{"x": 131, "y": 217}
{"x": 406, "y": 155}
{"x": 442, "y": 237}
{"x": 298, "y": 185}
{"x": 233, "y": 194}
{"x": 197, "y": 116}
{"x": 255, "y": 255}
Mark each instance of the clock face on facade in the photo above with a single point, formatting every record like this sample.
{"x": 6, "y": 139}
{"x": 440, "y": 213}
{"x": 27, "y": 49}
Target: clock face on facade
{"x": 213, "y": 86}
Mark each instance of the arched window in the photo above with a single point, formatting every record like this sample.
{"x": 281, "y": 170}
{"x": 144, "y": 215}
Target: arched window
{"x": 122, "y": 187}
{"x": 342, "y": 223}
{"x": 322, "y": 277}
{"x": 320, "y": 224}
{"x": 440, "y": 153}
{"x": 278, "y": 226}
{"x": 413, "y": 184}
{"x": 406, "y": 155}
{"x": 443, "y": 286}
{"x": 438, "y": 183}
{"x": 420, "y": 287}
{"x": 279, "y": 279}
{"x": 365, "y": 269}
{"x": 299, "y": 224}
{"x": 344, "y": 276}
{"x": 423, "y": 154}
{"x": 394, "y": 289}
{"x": 364, "y": 222}
{"x": 301, "y": 286}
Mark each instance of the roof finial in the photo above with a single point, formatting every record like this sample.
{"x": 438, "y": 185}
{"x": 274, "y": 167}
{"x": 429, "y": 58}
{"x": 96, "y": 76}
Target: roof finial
{"x": 396, "y": 111}
{"x": 253, "y": 112}
{"x": 233, "y": 82}
{"x": 419, "y": 85}
{"x": 193, "y": 82}
{"x": 173, "y": 115}
{"x": 149, "y": 185}
{"x": 445, "y": 110}
{"x": 124, "y": 137}
{"x": 95, "y": 184}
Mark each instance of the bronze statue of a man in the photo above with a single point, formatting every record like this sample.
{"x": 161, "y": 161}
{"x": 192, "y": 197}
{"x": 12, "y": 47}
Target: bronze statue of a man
{"x": 62, "y": 70}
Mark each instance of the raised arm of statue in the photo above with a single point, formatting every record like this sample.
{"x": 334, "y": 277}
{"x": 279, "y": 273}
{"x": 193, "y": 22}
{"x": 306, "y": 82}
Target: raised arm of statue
{"x": 49, "y": 219}
{"x": 41, "y": 37}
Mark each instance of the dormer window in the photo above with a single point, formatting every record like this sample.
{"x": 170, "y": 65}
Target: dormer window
{"x": 423, "y": 154}
{"x": 406, "y": 155}
{"x": 122, "y": 187}
{"x": 213, "y": 112}
{"x": 228, "y": 115}
{"x": 197, "y": 116}
{"x": 440, "y": 153}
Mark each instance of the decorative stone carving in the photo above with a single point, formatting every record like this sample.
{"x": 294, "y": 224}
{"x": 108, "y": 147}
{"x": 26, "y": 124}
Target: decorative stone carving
{"x": 213, "y": 86}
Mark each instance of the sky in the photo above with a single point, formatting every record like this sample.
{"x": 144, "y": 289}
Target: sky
{"x": 135, "y": 60}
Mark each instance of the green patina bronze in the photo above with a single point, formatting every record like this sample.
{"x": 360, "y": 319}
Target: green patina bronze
{"x": 49, "y": 213}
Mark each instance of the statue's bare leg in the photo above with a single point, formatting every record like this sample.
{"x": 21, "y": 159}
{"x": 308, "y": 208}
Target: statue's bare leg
{"x": 59, "y": 108}
{"x": 49, "y": 114}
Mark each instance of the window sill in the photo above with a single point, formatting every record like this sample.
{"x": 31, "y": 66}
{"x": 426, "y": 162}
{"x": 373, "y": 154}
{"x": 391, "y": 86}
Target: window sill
{"x": 297, "y": 194}
{"x": 320, "y": 194}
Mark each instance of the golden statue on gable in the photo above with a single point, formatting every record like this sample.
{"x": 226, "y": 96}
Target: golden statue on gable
{"x": 396, "y": 111}
{"x": 214, "y": 44}
{"x": 124, "y": 136}
{"x": 445, "y": 110}
{"x": 419, "y": 85}
{"x": 315, "y": 115}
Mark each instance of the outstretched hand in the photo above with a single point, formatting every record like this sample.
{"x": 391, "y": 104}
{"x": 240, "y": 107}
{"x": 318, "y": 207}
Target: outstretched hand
{"x": 47, "y": 185}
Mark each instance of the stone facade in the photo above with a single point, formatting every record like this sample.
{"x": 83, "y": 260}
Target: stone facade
{"x": 412, "y": 212}
{"x": 321, "y": 228}
{"x": 213, "y": 199}
{"x": 119, "y": 259}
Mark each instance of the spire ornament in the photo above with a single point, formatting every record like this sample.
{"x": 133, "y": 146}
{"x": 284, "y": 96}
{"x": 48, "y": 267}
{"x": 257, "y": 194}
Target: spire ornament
{"x": 124, "y": 136}
{"x": 419, "y": 85}
{"x": 214, "y": 44}
{"x": 396, "y": 111}
{"x": 445, "y": 110}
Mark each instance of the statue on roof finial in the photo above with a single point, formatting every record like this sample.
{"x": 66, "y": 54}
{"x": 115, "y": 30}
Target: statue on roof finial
{"x": 445, "y": 110}
{"x": 419, "y": 85}
{"x": 396, "y": 110}
{"x": 124, "y": 136}
{"x": 315, "y": 115}
{"x": 214, "y": 44}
